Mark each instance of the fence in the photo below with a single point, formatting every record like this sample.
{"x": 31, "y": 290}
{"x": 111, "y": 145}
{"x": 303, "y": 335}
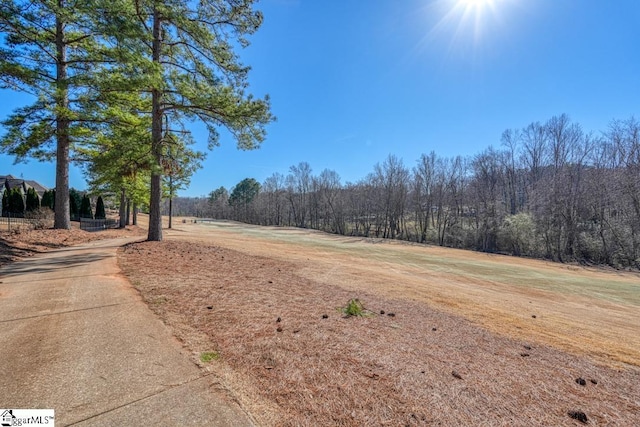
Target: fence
{"x": 9, "y": 223}
{"x": 87, "y": 224}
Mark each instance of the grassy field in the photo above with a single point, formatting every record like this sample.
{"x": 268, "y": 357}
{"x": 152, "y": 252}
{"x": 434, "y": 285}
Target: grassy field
{"x": 530, "y": 274}
{"x": 584, "y": 310}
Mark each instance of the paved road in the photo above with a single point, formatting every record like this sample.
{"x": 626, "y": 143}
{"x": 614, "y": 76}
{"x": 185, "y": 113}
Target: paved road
{"x": 76, "y": 337}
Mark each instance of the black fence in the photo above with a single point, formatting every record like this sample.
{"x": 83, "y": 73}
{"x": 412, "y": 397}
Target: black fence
{"x": 87, "y": 224}
{"x": 10, "y": 223}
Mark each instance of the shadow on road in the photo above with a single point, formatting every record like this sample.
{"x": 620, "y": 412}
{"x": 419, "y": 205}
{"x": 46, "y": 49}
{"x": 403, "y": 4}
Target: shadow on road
{"x": 51, "y": 264}
{"x": 10, "y": 253}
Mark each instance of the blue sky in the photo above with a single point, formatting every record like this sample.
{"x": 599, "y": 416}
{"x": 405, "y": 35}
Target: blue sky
{"x": 352, "y": 81}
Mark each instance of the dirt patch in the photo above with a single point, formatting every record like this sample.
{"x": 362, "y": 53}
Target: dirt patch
{"x": 292, "y": 358}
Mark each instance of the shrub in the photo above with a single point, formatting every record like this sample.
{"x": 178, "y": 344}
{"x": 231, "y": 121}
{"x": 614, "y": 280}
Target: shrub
{"x": 42, "y": 218}
{"x": 5, "y": 203}
{"x": 85, "y": 208}
{"x": 16, "y": 202}
{"x": 355, "y": 308}
{"x": 48, "y": 199}
{"x": 100, "y": 212}
{"x": 73, "y": 209}
{"x": 518, "y": 235}
{"x": 33, "y": 201}
{"x": 75, "y": 201}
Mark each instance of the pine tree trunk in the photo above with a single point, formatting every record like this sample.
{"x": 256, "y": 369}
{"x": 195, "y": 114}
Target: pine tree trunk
{"x": 123, "y": 209}
{"x": 155, "y": 219}
{"x": 61, "y": 217}
{"x": 128, "y": 217}
{"x": 135, "y": 213}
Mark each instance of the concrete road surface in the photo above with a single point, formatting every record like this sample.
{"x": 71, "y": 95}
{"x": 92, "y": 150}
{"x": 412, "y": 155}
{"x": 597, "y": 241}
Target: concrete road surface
{"x": 76, "y": 337}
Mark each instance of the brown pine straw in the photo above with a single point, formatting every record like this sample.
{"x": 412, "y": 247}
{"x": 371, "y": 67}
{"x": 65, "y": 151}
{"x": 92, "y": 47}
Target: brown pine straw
{"x": 377, "y": 370}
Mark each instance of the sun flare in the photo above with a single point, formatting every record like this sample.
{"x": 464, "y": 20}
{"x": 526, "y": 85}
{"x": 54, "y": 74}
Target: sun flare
{"x": 475, "y": 3}
{"x": 466, "y": 26}
{"x": 475, "y": 14}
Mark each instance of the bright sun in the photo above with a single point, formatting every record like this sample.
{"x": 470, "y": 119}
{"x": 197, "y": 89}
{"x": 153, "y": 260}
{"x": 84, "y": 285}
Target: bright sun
{"x": 466, "y": 23}
{"x": 475, "y": 13}
{"x": 475, "y": 3}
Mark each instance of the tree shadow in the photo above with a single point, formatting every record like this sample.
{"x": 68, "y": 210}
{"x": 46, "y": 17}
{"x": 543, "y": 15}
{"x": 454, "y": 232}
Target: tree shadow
{"x": 50, "y": 264}
{"x": 10, "y": 253}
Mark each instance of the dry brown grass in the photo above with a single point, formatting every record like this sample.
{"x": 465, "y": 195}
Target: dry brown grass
{"x": 585, "y": 311}
{"x": 379, "y": 370}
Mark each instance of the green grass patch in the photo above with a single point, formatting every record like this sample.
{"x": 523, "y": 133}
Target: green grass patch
{"x": 355, "y": 308}
{"x": 208, "y": 356}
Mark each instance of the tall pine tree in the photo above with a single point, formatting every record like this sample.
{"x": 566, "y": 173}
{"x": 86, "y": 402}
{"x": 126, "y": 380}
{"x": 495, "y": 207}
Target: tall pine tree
{"x": 48, "y": 52}
{"x": 179, "y": 163}
{"x": 186, "y": 52}
{"x": 119, "y": 161}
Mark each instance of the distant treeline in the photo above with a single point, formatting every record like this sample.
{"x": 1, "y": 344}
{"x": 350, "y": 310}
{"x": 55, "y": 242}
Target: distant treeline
{"x": 551, "y": 191}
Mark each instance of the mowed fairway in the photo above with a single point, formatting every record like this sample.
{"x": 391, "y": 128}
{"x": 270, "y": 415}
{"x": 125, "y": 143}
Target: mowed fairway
{"x": 584, "y": 311}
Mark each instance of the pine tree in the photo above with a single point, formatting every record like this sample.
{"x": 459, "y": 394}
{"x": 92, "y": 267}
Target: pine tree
{"x": 100, "y": 212}
{"x": 242, "y": 195}
{"x": 119, "y": 162}
{"x": 179, "y": 163}
{"x": 191, "y": 71}
{"x": 49, "y": 51}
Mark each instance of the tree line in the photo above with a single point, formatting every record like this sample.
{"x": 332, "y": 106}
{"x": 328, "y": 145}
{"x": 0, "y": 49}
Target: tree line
{"x": 15, "y": 203}
{"x": 18, "y": 205}
{"x": 114, "y": 84}
{"x": 550, "y": 191}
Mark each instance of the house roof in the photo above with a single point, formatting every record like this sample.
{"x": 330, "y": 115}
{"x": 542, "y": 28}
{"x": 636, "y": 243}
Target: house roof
{"x": 36, "y": 186}
{"x": 13, "y": 183}
{"x": 10, "y": 182}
